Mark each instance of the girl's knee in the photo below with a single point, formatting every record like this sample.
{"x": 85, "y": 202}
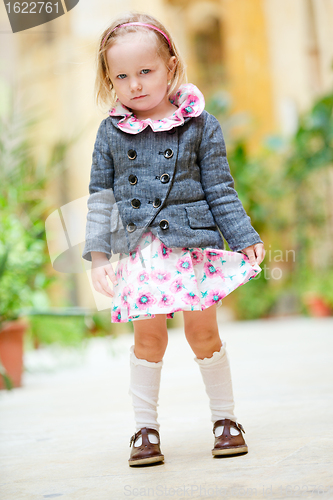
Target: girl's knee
{"x": 152, "y": 339}
{"x": 201, "y": 325}
{"x": 203, "y": 341}
{"x": 201, "y": 336}
{"x": 150, "y": 343}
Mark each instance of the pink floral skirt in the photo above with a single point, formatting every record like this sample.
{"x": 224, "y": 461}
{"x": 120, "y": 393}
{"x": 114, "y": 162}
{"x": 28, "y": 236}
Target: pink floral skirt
{"x": 155, "y": 279}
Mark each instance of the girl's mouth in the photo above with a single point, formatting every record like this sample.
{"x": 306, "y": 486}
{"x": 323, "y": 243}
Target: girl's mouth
{"x": 139, "y": 97}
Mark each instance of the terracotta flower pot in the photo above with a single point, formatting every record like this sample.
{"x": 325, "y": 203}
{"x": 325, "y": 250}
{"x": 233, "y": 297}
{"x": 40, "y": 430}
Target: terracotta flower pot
{"x": 317, "y": 306}
{"x": 11, "y": 350}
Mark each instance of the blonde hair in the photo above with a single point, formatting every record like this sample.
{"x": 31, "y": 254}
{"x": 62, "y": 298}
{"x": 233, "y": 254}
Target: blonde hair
{"x": 105, "y": 93}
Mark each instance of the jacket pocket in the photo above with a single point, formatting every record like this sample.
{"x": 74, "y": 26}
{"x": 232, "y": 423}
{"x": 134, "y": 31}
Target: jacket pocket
{"x": 200, "y": 217}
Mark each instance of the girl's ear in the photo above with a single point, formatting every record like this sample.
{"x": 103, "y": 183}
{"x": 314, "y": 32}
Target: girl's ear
{"x": 172, "y": 63}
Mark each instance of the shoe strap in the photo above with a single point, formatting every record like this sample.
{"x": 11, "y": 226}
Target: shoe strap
{"x": 226, "y": 422}
{"x": 144, "y": 433}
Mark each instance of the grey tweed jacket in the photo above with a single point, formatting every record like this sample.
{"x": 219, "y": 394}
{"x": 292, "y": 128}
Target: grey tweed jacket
{"x": 177, "y": 184}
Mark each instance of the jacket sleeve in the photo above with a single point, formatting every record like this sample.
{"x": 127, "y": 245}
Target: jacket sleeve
{"x": 218, "y": 185}
{"x": 101, "y": 199}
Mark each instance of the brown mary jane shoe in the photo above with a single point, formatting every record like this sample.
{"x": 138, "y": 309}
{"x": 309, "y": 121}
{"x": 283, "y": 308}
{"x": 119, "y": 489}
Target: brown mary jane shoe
{"x": 226, "y": 444}
{"x": 147, "y": 452}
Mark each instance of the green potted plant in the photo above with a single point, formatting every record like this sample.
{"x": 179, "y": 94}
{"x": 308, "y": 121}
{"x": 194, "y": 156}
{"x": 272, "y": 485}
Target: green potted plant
{"x": 309, "y": 176}
{"x": 22, "y": 284}
{"x": 11, "y": 330}
{"x": 24, "y": 260}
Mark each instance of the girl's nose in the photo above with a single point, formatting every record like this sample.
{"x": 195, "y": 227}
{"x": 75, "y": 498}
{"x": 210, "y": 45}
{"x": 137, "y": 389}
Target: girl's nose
{"x": 135, "y": 85}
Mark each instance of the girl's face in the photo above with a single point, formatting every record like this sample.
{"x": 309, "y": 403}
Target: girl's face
{"x": 140, "y": 76}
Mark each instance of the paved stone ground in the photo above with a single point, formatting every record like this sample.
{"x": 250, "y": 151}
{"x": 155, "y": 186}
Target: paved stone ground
{"x": 66, "y": 432}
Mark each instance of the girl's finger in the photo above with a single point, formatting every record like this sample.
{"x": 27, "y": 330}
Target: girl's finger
{"x": 106, "y": 293}
{"x": 251, "y": 256}
{"x": 110, "y": 272}
{"x": 260, "y": 253}
{"x": 106, "y": 287}
{"x": 103, "y": 289}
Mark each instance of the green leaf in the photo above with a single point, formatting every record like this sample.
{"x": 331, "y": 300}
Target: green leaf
{"x": 6, "y": 378}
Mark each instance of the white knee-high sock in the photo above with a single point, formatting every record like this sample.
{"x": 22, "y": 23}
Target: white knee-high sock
{"x": 216, "y": 375}
{"x": 144, "y": 388}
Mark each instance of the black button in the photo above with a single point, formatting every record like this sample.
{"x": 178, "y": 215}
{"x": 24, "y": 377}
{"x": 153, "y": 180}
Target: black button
{"x": 156, "y": 203}
{"x": 131, "y": 154}
{"x": 165, "y": 178}
{"x": 135, "y": 203}
{"x": 168, "y": 153}
{"x": 133, "y": 179}
{"x": 131, "y": 227}
{"x": 164, "y": 224}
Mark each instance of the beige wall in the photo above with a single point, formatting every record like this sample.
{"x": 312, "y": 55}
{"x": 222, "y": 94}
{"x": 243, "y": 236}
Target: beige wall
{"x": 244, "y": 45}
{"x": 301, "y": 55}
{"x": 248, "y": 73}
{"x": 278, "y": 55}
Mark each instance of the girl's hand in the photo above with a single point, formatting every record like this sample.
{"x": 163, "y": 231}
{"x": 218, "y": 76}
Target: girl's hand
{"x": 255, "y": 253}
{"x": 101, "y": 268}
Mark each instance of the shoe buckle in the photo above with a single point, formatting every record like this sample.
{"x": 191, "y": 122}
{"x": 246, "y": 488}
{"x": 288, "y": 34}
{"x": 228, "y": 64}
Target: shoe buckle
{"x": 240, "y": 427}
{"x": 134, "y": 437}
{"x": 132, "y": 440}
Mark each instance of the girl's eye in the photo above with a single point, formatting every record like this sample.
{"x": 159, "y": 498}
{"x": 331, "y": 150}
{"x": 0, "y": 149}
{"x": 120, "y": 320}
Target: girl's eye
{"x": 145, "y": 71}
{"x": 122, "y": 76}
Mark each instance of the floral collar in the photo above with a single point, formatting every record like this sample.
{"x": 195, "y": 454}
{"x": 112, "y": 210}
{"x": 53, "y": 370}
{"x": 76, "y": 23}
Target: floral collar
{"x": 188, "y": 98}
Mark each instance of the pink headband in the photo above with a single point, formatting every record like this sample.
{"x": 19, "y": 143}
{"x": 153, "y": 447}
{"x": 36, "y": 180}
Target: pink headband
{"x": 138, "y": 24}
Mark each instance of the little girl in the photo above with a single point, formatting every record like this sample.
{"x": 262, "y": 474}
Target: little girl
{"x": 161, "y": 196}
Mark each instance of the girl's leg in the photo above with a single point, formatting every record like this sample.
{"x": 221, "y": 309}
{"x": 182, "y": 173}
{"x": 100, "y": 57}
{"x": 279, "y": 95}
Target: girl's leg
{"x": 201, "y": 330}
{"x": 202, "y": 333}
{"x": 150, "y": 338}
